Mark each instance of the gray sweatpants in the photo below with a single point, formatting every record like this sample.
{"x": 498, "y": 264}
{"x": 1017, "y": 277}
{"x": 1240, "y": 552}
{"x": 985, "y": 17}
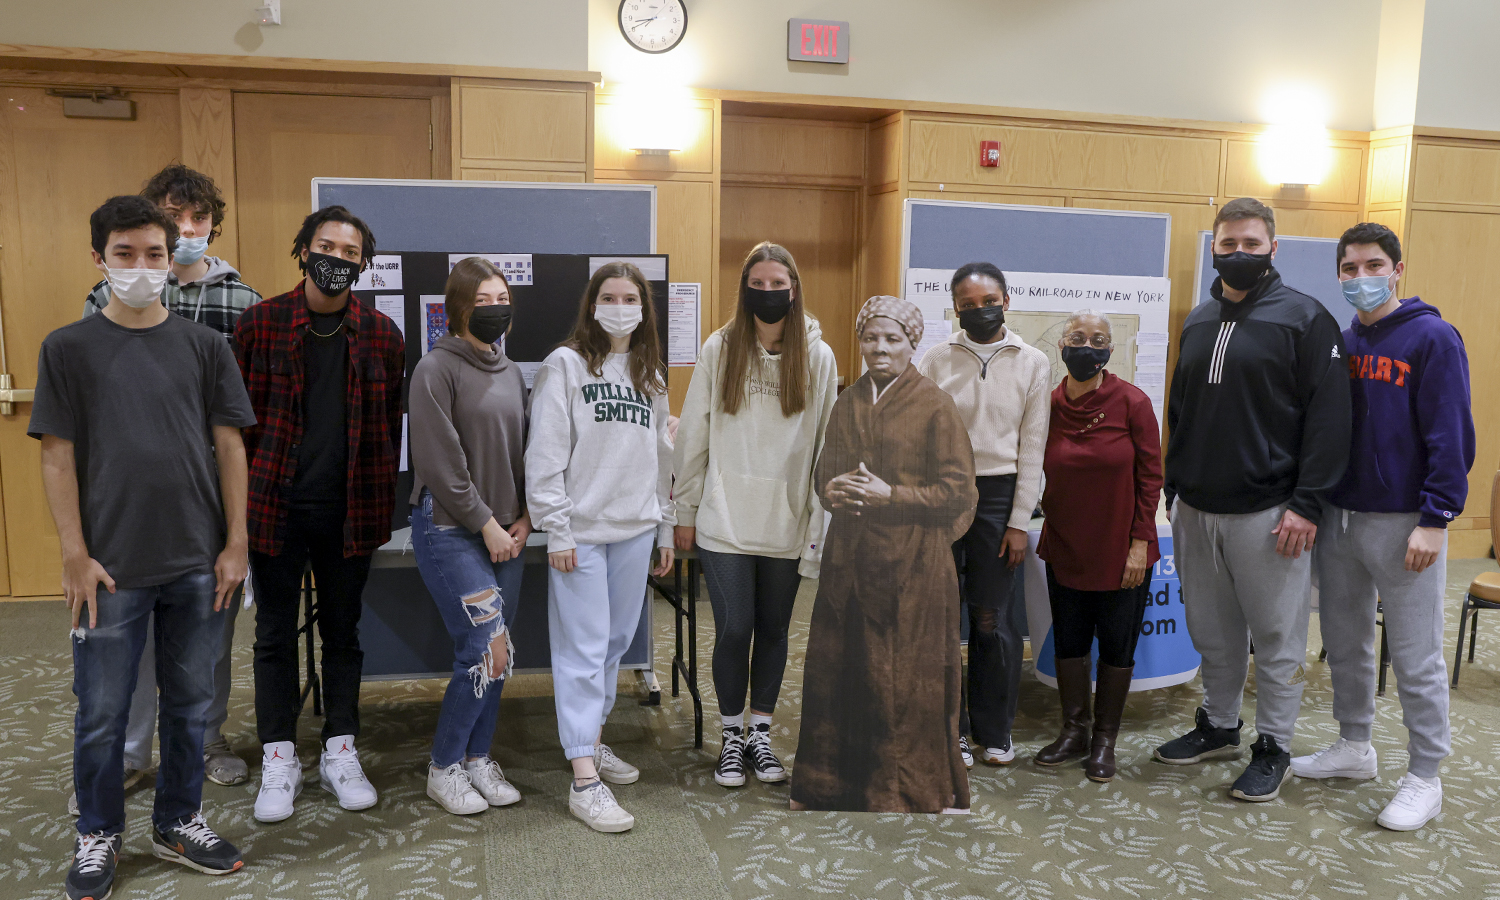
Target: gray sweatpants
{"x": 1236, "y": 588}
{"x": 1361, "y": 556}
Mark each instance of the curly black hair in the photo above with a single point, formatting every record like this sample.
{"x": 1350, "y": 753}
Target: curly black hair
{"x": 184, "y": 187}
{"x": 327, "y": 214}
{"x": 127, "y": 213}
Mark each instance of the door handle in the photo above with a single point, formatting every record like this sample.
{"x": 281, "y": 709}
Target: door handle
{"x": 10, "y": 396}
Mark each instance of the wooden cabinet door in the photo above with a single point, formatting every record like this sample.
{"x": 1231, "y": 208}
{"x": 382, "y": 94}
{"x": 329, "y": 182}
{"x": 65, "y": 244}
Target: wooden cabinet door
{"x": 54, "y": 172}
{"x": 283, "y": 141}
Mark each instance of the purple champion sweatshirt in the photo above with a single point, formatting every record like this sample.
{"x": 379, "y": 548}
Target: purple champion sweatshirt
{"x": 1413, "y": 433}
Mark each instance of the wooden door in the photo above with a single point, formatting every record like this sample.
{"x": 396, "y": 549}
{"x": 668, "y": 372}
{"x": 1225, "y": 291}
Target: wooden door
{"x": 820, "y": 227}
{"x": 283, "y": 141}
{"x": 53, "y": 173}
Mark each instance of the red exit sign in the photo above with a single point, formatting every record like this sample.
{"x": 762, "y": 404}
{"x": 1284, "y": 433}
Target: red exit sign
{"x": 817, "y": 40}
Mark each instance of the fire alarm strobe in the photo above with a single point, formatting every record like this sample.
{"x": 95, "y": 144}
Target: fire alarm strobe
{"x": 989, "y": 154}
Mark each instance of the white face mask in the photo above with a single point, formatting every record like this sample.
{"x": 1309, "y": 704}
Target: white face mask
{"x": 190, "y": 250}
{"x": 617, "y": 319}
{"x": 137, "y": 288}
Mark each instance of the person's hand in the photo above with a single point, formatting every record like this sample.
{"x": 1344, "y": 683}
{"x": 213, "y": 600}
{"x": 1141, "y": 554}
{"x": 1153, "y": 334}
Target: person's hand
{"x": 684, "y": 537}
{"x": 840, "y": 492}
{"x": 1135, "y": 565}
{"x": 672, "y": 423}
{"x": 519, "y": 531}
{"x": 563, "y": 561}
{"x": 501, "y": 545}
{"x": 869, "y": 489}
{"x": 230, "y": 571}
{"x": 664, "y": 557}
{"x": 1294, "y": 534}
{"x": 1422, "y": 548}
{"x": 82, "y": 576}
{"x": 1013, "y": 547}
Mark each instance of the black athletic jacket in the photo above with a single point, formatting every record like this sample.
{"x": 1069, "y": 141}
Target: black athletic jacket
{"x": 1260, "y": 411}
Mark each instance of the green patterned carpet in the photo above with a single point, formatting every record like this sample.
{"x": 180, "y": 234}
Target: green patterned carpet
{"x": 1155, "y": 832}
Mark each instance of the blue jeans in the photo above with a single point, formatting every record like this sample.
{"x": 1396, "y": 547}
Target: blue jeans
{"x": 456, "y": 567}
{"x": 106, "y": 661}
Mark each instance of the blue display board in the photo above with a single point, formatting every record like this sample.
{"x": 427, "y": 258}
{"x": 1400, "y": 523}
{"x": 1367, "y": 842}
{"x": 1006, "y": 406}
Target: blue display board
{"x": 1308, "y": 264}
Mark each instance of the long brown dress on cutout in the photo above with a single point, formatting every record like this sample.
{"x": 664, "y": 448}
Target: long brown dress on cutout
{"x": 881, "y": 684}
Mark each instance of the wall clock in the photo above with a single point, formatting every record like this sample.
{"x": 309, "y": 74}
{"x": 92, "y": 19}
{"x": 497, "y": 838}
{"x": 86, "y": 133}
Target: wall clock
{"x": 653, "y": 26}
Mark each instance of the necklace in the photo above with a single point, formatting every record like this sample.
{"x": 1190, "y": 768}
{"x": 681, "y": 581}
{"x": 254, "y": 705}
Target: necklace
{"x": 315, "y": 333}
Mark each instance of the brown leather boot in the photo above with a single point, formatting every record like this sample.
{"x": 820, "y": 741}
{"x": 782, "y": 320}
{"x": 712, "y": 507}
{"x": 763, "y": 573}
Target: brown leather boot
{"x": 1073, "y": 690}
{"x": 1109, "y": 704}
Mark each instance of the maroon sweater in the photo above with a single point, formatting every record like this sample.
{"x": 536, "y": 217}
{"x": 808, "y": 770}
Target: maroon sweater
{"x": 1103, "y": 468}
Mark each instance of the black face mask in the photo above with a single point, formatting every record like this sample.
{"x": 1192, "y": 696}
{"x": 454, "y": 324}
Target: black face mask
{"x": 768, "y": 306}
{"x": 1241, "y": 270}
{"x": 982, "y": 322}
{"x": 487, "y": 323}
{"x": 1084, "y": 362}
{"x": 332, "y": 275}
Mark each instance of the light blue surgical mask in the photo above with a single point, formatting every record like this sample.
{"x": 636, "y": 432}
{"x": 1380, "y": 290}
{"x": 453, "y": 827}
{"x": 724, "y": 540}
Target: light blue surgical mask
{"x": 1367, "y": 293}
{"x": 190, "y": 250}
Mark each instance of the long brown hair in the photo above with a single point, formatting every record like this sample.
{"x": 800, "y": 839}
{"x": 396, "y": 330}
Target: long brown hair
{"x": 592, "y": 342}
{"x": 739, "y": 340}
{"x": 463, "y": 288}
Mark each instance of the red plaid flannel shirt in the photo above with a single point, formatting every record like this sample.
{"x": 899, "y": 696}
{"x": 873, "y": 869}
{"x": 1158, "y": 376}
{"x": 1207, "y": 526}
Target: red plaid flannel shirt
{"x": 268, "y": 344}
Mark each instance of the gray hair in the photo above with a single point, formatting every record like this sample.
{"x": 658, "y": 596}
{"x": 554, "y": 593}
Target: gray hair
{"x": 1082, "y": 314}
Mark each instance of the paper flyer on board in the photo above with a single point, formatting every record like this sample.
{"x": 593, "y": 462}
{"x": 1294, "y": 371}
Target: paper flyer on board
{"x": 384, "y": 274}
{"x": 394, "y": 306}
{"x": 434, "y": 320}
{"x": 682, "y": 323}
{"x": 515, "y": 266}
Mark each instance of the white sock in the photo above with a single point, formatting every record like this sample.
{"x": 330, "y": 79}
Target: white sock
{"x": 734, "y": 721}
{"x": 1435, "y": 782}
{"x": 1361, "y": 746}
{"x": 756, "y": 720}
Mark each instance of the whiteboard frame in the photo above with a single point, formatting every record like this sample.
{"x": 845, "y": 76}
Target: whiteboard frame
{"x": 530, "y": 185}
{"x": 1166, "y": 261}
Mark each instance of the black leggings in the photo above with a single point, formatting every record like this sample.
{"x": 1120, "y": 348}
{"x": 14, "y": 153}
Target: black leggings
{"x": 1112, "y": 616}
{"x": 752, "y": 598}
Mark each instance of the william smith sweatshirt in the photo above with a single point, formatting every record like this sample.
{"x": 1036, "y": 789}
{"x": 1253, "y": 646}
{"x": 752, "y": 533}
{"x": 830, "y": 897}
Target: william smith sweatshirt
{"x": 598, "y": 464}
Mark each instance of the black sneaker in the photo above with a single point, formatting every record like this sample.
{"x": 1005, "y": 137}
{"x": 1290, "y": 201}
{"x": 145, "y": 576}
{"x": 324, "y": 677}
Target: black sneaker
{"x": 192, "y": 843}
{"x": 1203, "y": 742}
{"x": 767, "y": 767}
{"x": 730, "y": 772}
{"x": 92, "y": 875}
{"x": 965, "y": 751}
{"x": 1270, "y": 767}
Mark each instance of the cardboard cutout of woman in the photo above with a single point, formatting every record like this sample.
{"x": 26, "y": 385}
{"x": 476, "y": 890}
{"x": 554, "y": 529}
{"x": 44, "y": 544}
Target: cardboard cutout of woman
{"x": 881, "y": 686}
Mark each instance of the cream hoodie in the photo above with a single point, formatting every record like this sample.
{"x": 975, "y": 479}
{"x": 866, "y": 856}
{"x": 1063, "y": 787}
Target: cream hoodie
{"x": 598, "y": 466}
{"x": 745, "y": 481}
{"x": 1003, "y": 394}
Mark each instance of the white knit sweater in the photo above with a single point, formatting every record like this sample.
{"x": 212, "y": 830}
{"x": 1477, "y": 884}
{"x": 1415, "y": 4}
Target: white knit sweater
{"x": 1002, "y": 394}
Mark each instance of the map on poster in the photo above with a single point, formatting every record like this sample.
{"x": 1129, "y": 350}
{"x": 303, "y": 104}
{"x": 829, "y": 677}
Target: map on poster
{"x": 1043, "y": 330}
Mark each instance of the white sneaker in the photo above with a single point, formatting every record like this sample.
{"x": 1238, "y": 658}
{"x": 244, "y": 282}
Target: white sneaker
{"x": 280, "y": 782}
{"x": 489, "y": 781}
{"x": 999, "y": 756}
{"x": 1341, "y": 759}
{"x": 613, "y": 769}
{"x": 597, "y": 807}
{"x": 453, "y": 791}
{"x": 965, "y": 751}
{"x": 1417, "y": 802}
{"x": 341, "y": 776}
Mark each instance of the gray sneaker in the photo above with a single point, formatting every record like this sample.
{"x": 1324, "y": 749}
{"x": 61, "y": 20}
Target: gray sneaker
{"x": 222, "y": 766}
{"x": 612, "y": 768}
{"x": 132, "y": 778}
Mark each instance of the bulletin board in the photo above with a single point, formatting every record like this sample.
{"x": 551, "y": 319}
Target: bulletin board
{"x": 1309, "y": 264}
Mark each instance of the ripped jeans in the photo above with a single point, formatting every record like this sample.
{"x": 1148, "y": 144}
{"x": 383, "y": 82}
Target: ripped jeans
{"x": 476, "y": 599}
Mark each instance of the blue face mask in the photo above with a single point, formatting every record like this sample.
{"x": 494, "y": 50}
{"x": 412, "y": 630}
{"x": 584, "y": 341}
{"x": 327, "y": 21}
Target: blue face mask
{"x": 190, "y": 250}
{"x": 1367, "y": 293}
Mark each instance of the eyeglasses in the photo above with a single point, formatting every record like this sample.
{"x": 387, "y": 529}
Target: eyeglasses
{"x": 1079, "y": 339}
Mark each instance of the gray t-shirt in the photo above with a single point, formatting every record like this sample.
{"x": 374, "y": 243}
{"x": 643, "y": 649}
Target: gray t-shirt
{"x": 139, "y": 405}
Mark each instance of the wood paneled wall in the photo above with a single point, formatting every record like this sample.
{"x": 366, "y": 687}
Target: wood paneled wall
{"x": 508, "y": 130}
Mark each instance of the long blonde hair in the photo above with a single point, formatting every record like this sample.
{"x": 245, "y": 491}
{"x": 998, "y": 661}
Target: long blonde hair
{"x": 739, "y": 340}
{"x": 593, "y": 344}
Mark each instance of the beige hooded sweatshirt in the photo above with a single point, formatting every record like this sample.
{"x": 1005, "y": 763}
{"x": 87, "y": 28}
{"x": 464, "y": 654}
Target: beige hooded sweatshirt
{"x": 745, "y": 480}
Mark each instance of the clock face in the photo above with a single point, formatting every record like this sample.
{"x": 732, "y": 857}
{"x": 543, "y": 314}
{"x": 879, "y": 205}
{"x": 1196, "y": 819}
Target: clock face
{"x": 653, "y": 26}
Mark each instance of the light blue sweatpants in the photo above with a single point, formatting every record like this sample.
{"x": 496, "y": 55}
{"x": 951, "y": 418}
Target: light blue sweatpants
{"x": 592, "y": 614}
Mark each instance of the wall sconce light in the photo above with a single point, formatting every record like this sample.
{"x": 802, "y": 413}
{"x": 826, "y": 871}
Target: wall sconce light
{"x": 1294, "y": 151}
{"x": 654, "y": 120}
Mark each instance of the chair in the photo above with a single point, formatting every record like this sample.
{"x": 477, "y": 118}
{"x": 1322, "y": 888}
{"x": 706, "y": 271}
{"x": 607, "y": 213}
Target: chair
{"x": 1484, "y": 590}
